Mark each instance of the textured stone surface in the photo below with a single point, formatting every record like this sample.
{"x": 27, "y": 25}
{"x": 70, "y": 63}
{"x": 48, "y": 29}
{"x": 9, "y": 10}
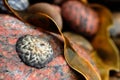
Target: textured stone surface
{"x": 11, "y": 66}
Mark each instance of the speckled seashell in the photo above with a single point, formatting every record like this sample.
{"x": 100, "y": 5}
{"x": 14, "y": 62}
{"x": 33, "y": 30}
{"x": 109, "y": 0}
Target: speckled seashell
{"x": 15, "y": 4}
{"x": 34, "y": 51}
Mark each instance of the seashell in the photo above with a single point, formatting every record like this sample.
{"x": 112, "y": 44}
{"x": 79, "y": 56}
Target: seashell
{"x": 15, "y": 4}
{"x": 34, "y": 51}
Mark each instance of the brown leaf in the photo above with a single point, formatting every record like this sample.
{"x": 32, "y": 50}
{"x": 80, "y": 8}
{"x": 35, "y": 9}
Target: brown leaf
{"x": 77, "y": 57}
{"x": 107, "y": 55}
{"x": 77, "y": 39}
{"x": 41, "y": 20}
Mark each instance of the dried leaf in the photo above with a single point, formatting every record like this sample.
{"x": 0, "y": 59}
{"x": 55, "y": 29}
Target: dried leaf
{"x": 80, "y": 61}
{"x": 107, "y": 55}
{"x": 41, "y": 20}
{"x": 117, "y": 42}
{"x": 75, "y": 38}
{"x": 103, "y": 68}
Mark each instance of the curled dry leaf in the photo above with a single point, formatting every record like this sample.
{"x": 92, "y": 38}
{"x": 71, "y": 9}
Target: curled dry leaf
{"x": 77, "y": 56}
{"x": 79, "y": 40}
{"x": 117, "y": 42}
{"x": 48, "y": 9}
{"x": 37, "y": 19}
{"x": 107, "y": 55}
{"x": 81, "y": 65}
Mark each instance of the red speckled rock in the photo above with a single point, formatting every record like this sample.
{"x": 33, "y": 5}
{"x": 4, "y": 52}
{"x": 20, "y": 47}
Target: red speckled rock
{"x": 11, "y": 66}
{"x": 80, "y": 17}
